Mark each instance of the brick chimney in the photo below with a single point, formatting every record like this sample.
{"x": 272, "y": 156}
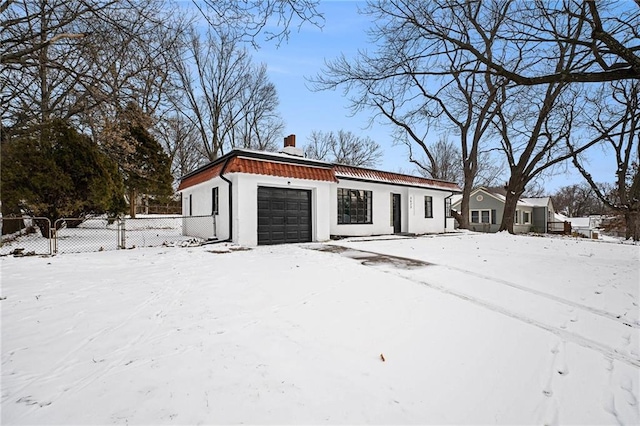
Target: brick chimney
{"x": 290, "y": 147}
{"x": 290, "y": 141}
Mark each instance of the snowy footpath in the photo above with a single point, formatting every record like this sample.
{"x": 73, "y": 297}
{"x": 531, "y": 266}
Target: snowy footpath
{"x": 460, "y": 328}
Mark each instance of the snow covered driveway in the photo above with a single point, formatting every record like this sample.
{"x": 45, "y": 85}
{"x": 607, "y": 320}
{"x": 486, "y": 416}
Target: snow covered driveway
{"x": 496, "y": 329}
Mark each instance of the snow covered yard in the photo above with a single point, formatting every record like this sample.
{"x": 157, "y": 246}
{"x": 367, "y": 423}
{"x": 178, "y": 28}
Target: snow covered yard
{"x": 490, "y": 329}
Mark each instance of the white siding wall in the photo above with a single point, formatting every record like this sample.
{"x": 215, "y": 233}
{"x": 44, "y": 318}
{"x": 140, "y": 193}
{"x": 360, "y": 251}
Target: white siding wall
{"x": 245, "y": 227}
{"x": 324, "y": 207}
{"x": 451, "y": 224}
{"x": 201, "y": 206}
{"x": 412, "y": 210}
{"x": 418, "y": 224}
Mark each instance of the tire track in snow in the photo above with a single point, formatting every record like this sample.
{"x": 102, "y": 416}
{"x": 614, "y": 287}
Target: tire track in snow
{"x": 596, "y": 311}
{"x": 634, "y": 323}
{"x": 561, "y": 333}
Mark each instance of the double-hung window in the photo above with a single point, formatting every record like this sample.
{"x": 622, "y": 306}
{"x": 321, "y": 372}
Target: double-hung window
{"x": 517, "y": 218}
{"x": 481, "y": 216}
{"x": 526, "y": 218}
{"x": 428, "y": 206}
{"x": 354, "y": 206}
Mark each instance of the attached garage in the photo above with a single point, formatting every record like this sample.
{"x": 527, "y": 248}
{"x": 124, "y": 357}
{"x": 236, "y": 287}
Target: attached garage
{"x": 263, "y": 198}
{"x": 284, "y": 215}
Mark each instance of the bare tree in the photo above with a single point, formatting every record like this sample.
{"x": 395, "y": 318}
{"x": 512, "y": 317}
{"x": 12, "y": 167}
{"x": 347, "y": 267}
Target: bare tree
{"x": 604, "y": 42}
{"x": 179, "y": 138}
{"x": 617, "y": 123}
{"x": 228, "y": 99}
{"x": 447, "y": 158}
{"x": 444, "y": 163}
{"x": 343, "y": 147}
{"x": 577, "y": 200}
{"x": 261, "y": 126}
{"x": 414, "y": 81}
{"x": 67, "y": 58}
{"x": 246, "y": 18}
{"x": 250, "y": 18}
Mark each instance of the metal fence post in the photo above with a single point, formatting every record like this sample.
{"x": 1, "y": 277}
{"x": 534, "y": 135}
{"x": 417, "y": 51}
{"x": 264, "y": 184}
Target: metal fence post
{"x": 123, "y": 238}
{"x": 53, "y": 239}
{"x": 69, "y": 235}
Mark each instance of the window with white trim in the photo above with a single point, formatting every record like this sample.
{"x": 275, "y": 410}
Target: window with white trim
{"x": 517, "y": 218}
{"x": 481, "y": 216}
{"x": 526, "y": 218}
{"x": 428, "y": 206}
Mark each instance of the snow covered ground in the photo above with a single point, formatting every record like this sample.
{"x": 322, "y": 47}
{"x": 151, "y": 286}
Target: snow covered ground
{"x": 473, "y": 328}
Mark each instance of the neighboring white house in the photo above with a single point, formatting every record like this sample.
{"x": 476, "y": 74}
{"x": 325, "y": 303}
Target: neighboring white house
{"x": 486, "y": 206}
{"x": 588, "y": 226}
{"x": 255, "y": 198}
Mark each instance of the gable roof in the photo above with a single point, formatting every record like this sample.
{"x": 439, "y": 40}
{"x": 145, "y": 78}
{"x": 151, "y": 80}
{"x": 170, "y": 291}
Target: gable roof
{"x": 284, "y": 165}
{"x": 500, "y": 194}
{"x": 537, "y": 201}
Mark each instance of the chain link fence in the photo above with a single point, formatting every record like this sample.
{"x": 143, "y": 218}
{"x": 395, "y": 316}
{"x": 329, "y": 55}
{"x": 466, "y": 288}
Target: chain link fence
{"x": 158, "y": 230}
{"x": 23, "y": 236}
{"x": 37, "y": 236}
{"x": 94, "y": 234}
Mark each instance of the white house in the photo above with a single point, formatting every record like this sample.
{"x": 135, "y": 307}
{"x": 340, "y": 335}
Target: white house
{"x": 255, "y": 198}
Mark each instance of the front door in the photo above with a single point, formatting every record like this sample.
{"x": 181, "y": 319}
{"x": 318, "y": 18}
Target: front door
{"x": 397, "y": 224}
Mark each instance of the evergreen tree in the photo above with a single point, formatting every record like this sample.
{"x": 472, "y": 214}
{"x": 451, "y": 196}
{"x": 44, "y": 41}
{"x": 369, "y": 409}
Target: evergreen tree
{"x": 144, "y": 165}
{"x": 53, "y": 171}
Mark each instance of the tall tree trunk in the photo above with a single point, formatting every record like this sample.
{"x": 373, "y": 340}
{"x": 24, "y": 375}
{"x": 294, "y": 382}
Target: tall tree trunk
{"x": 632, "y": 219}
{"x": 463, "y": 220}
{"x": 515, "y": 189}
{"x": 45, "y": 95}
{"x": 132, "y": 202}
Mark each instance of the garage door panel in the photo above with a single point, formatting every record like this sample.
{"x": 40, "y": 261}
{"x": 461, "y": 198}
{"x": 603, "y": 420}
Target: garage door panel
{"x": 284, "y": 215}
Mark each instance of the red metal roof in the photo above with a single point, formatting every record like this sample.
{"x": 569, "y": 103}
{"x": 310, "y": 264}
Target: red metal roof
{"x": 393, "y": 178}
{"x": 273, "y": 168}
{"x": 277, "y": 165}
{"x": 200, "y": 177}
{"x": 260, "y": 167}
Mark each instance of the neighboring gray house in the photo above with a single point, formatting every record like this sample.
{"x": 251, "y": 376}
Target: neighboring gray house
{"x": 486, "y": 206}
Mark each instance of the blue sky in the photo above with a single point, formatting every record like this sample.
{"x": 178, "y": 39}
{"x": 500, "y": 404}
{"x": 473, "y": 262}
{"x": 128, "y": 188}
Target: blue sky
{"x": 303, "y": 110}
{"x": 303, "y": 56}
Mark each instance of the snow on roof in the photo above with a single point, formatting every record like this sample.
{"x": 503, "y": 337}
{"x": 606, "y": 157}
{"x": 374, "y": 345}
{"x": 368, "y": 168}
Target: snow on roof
{"x": 579, "y": 222}
{"x": 537, "y": 201}
{"x": 500, "y": 195}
